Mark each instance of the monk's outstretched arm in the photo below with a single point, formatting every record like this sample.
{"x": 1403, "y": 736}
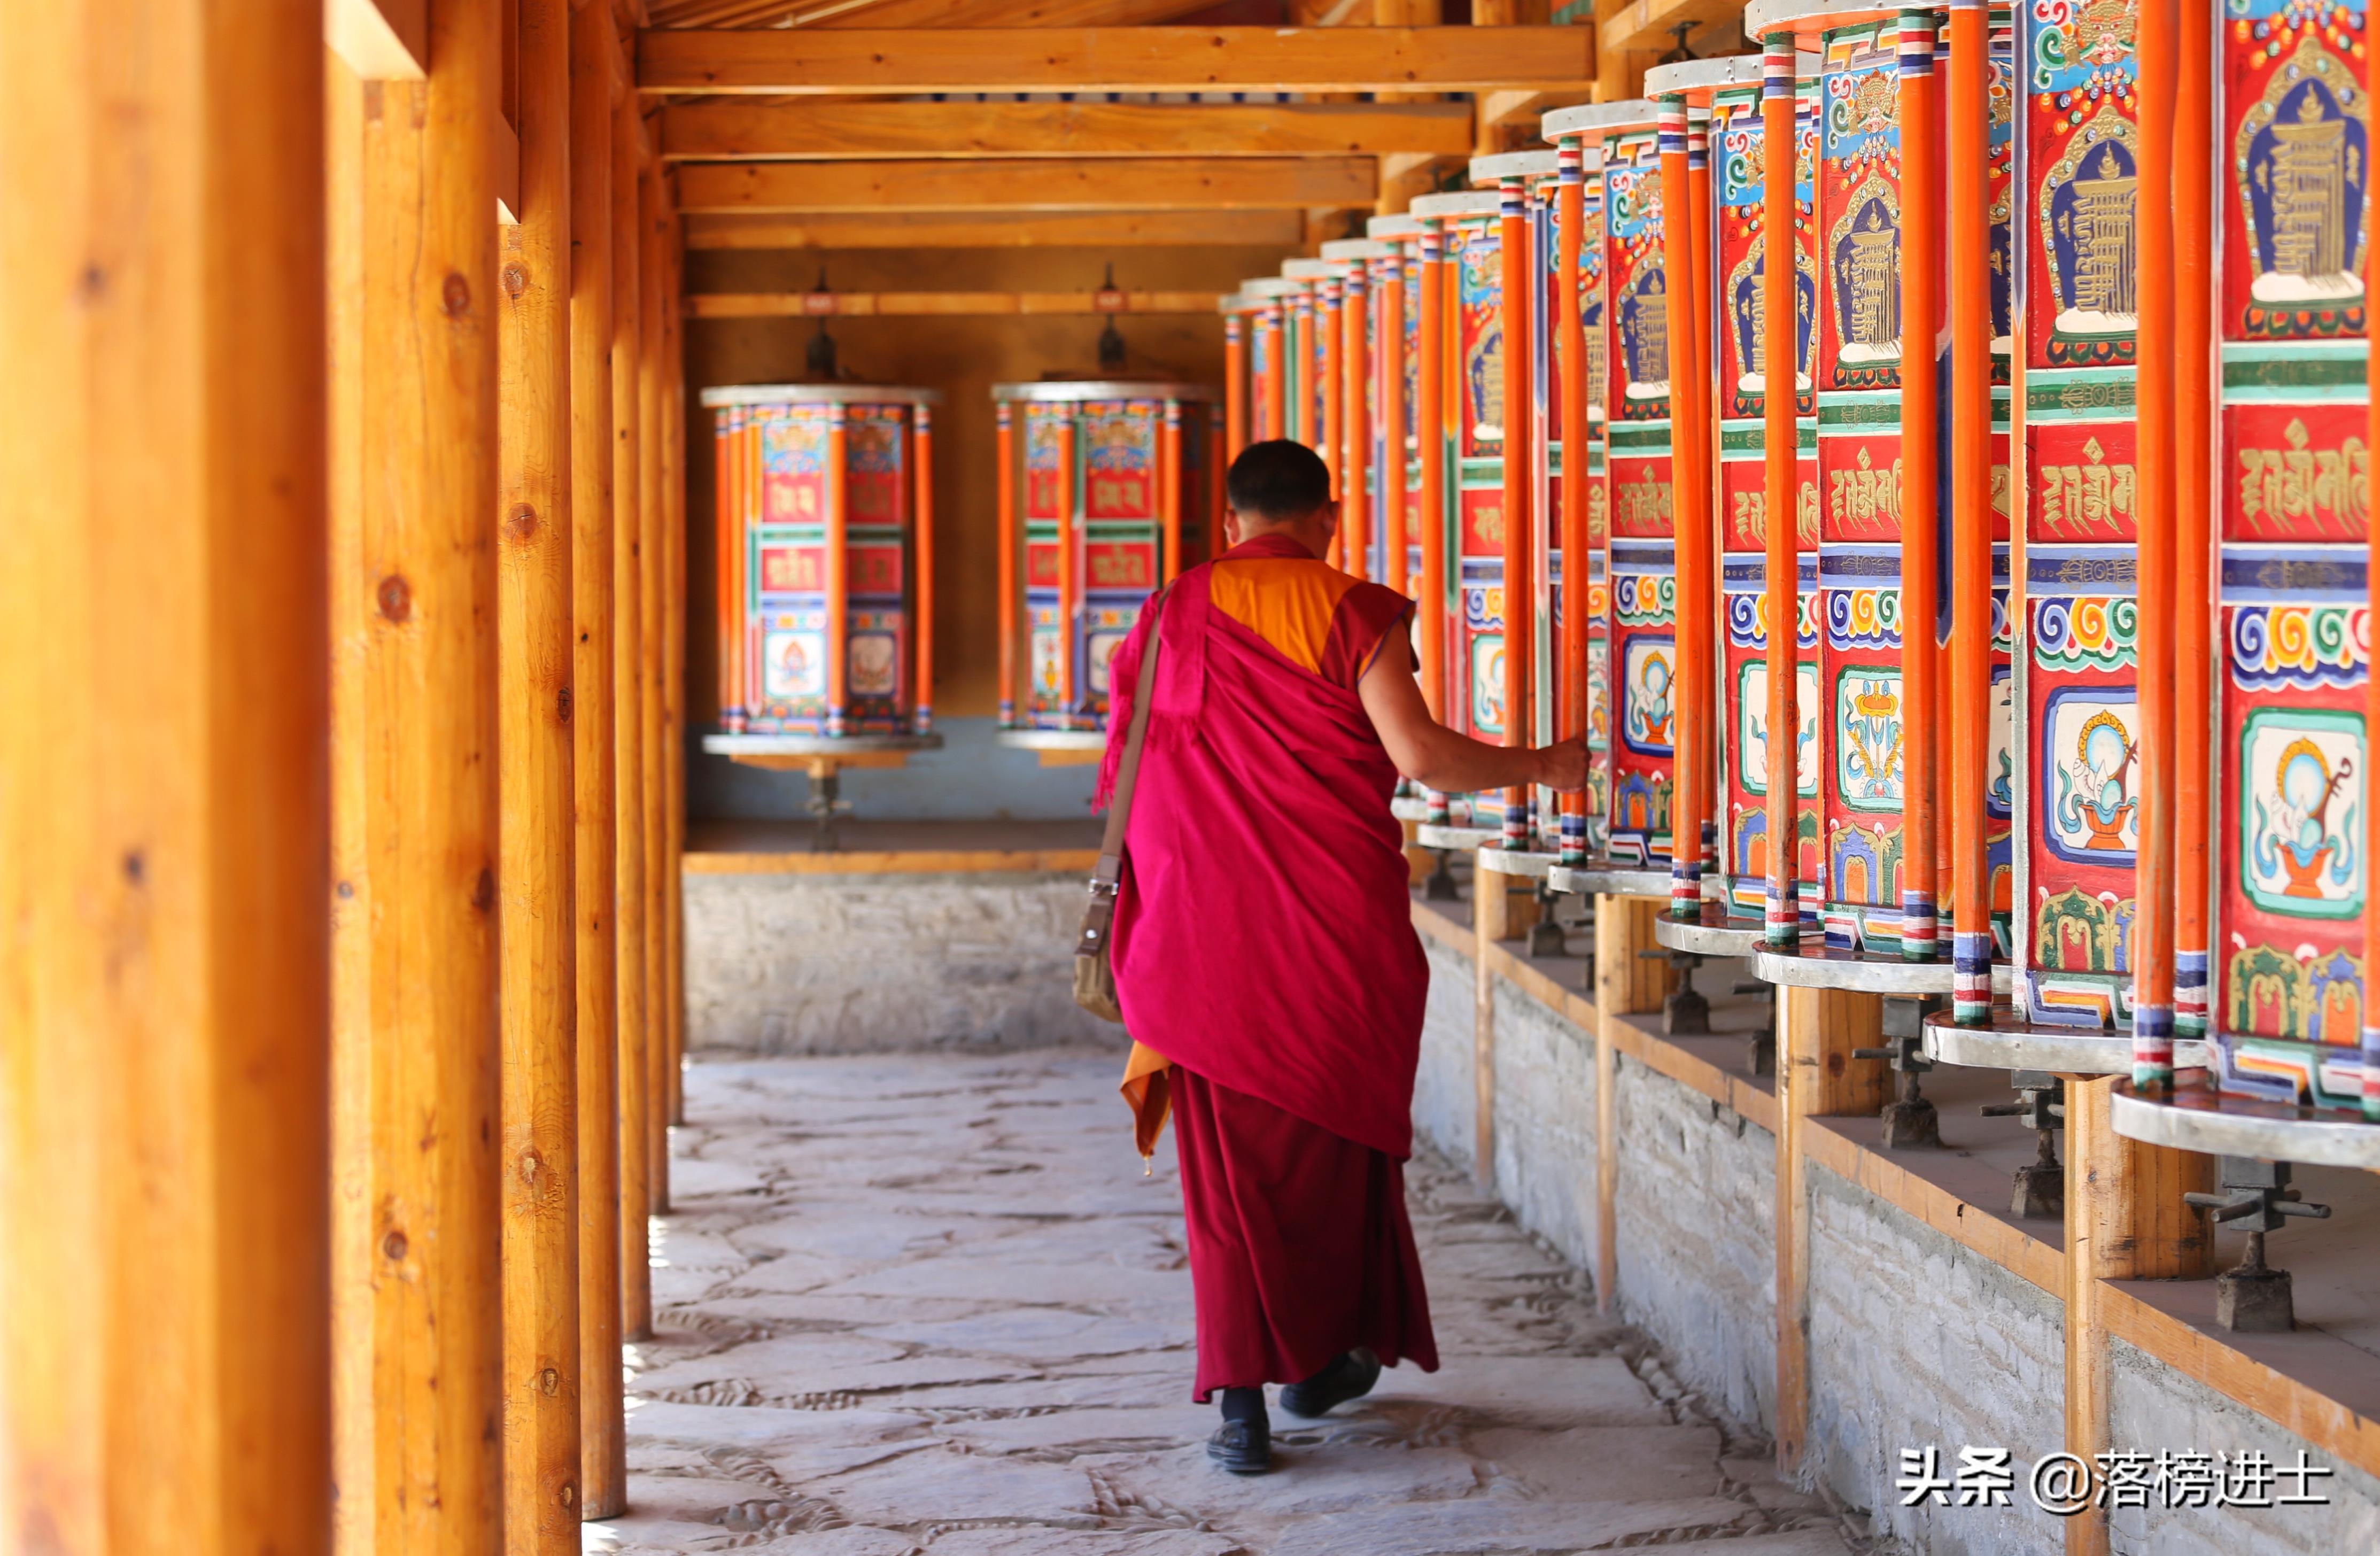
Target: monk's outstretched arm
{"x": 1437, "y": 758}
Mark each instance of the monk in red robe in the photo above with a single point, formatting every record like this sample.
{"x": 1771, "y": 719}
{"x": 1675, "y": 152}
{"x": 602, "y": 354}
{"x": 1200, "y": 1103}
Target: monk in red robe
{"x": 1264, "y": 950}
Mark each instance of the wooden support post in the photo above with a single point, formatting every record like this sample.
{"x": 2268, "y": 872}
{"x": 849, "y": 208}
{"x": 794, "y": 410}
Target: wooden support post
{"x": 673, "y": 597}
{"x": 536, "y": 933}
{"x": 1817, "y": 1075}
{"x": 2125, "y": 1221}
{"x": 652, "y": 565}
{"x": 164, "y": 1158}
{"x": 1626, "y": 982}
{"x": 418, "y": 1026}
{"x": 628, "y": 659}
{"x": 1005, "y": 442}
{"x": 603, "y": 1461}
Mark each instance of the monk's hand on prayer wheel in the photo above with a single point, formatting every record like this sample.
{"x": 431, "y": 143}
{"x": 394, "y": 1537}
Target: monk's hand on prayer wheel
{"x": 1563, "y": 765}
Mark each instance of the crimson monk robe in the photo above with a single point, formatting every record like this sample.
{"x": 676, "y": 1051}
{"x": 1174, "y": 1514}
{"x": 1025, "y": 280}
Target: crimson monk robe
{"x": 1267, "y": 963}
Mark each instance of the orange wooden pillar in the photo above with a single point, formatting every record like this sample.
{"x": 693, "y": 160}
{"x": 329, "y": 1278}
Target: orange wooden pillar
{"x": 1971, "y": 512}
{"x": 1329, "y": 305}
{"x": 1388, "y": 403}
{"x": 1577, "y": 537}
{"x": 1355, "y": 425}
{"x": 1921, "y": 305}
{"x": 1070, "y": 582}
{"x": 415, "y": 740}
{"x": 535, "y": 873}
{"x": 1781, "y": 911}
{"x": 603, "y": 1465}
{"x": 1169, "y": 493}
{"x": 1517, "y": 254}
{"x": 164, "y": 1160}
{"x": 628, "y": 727}
{"x": 921, "y": 694}
{"x": 1430, "y": 432}
{"x": 1274, "y": 341}
{"x": 2193, "y": 579}
{"x": 1687, "y": 297}
{"x": 1235, "y": 383}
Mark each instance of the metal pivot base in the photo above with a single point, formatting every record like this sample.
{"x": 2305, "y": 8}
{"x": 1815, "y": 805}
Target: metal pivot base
{"x": 2252, "y": 1297}
{"x": 827, "y": 806}
{"x": 2040, "y": 1187}
{"x": 1439, "y": 884}
{"x": 1546, "y": 938}
{"x": 1760, "y": 1043}
{"x": 1685, "y": 1014}
{"x": 1910, "y": 1121}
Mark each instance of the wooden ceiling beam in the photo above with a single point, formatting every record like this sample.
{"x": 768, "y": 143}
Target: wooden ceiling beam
{"x": 1032, "y": 183}
{"x": 888, "y": 304}
{"x": 1101, "y": 229}
{"x": 824, "y": 61}
{"x": 828, "y": 129}
{"x": 1650, "y": 26}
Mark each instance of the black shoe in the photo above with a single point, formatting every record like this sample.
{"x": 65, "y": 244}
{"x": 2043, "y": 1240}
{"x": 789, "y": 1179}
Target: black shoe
{"x": 1350, "y": 1376}
{"x": 1243, "y": 1447}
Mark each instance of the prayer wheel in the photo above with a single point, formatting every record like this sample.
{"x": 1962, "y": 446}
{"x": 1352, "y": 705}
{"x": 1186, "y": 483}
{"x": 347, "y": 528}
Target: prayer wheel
{"x": 1242, "y": 373}
{"x": 1107, "y": 490}
{"x": 1714, "y": 105}
{"x": 1472, "y": 429}
{"x": 2291, "y": 814}
{"x": 1372, "y": 527}
{"x": 1639, "y": 507}
{"x": 1268, "y": 354}
{"x": 825, "y": 562}
{"x": 2078, "y": 801}
{"x": 1890, "y": 457}
{"x": 1396, "y": 398}
{"x": 1318, "y": 369}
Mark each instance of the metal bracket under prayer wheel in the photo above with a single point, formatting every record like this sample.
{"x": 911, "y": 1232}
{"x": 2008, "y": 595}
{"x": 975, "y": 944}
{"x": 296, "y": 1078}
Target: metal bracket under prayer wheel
{"x": 2252, "y": 1295}
{"x": 1910, "y": 1121}
{"x": 1686, "y": 1013}
{"x": 2040, "y": 1188}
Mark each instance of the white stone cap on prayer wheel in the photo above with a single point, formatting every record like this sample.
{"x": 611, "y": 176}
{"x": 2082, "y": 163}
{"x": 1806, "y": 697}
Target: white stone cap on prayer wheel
{"x": 1461, "y": 205}
{"x": 1271, "y": 287}
{"x": 1514, "y": 164}
{"x": 1060, "y": 390}
{"x": 1806, "y": 19}
{"x": 1315, "y": 270}
{"x": 1600, "y": 118}
{"x": 1344, "y": 250}
{"x": 1696, "y": 79}
{"x": 1395, "y": 226}
{"x": 819, "y": 394}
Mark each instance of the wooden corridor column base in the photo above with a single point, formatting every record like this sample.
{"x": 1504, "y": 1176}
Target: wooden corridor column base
{"x": 1816, "y": 1076}
{"x": 1626, "y": 983}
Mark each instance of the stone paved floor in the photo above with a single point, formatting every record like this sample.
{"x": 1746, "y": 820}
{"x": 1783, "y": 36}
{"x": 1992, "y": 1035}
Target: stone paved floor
{"x": 931, "y": 1304}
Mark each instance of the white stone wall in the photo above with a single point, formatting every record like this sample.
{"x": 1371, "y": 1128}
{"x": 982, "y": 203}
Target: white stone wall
{"x": 1545, "y": 1122}
{"x": 1696, "y": 1210}
{"x": 2152, "y": 1407}
{"x": 1917, "y": 1341}
{"x": 788, "y": 964}
{"x": 1444, "y": 1088}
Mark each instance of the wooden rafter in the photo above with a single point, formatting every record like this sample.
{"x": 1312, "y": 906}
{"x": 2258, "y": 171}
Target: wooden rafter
{"x": 1034, "y": 184}
{"x": 920, "y": 13}
{"x": 997, "y": 229}
{"x": 827, "y": 128}
{"x": 806, "y": 62}
{"x": 886, "y": 305}
{"x": 1650, "y": 26}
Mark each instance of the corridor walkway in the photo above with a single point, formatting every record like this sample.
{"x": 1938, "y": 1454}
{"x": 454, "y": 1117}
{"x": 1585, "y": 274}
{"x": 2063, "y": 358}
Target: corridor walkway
{"x": 931, "y": 1304}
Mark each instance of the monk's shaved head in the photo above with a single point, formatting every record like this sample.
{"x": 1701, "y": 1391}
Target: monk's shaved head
{"x": 1278, "y": 482}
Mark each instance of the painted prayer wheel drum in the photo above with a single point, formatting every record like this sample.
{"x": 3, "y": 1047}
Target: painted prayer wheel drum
{"x": 2291, "y": 771}
{"x": 1739, "y": 160}
{"x": 1593, "y": 664}
{"x": 1474, "y": 430}
{"x": 1242, "y": 374}
{"x": 1374, "y": 269}
{"x": 1313, "y": 323}
{"x": 2077, "y": 805}
{"x": 1639, "y": 508}
{"x": 1861, "y": 729}
{"x": 1116, "y": 493}
{"x": 818, "y": 539}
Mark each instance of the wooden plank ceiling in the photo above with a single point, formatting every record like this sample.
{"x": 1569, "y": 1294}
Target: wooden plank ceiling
{"x": 818, "y": 124}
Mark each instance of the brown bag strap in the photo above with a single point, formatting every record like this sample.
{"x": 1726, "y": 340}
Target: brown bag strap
{"x": 1110, "y": 869}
